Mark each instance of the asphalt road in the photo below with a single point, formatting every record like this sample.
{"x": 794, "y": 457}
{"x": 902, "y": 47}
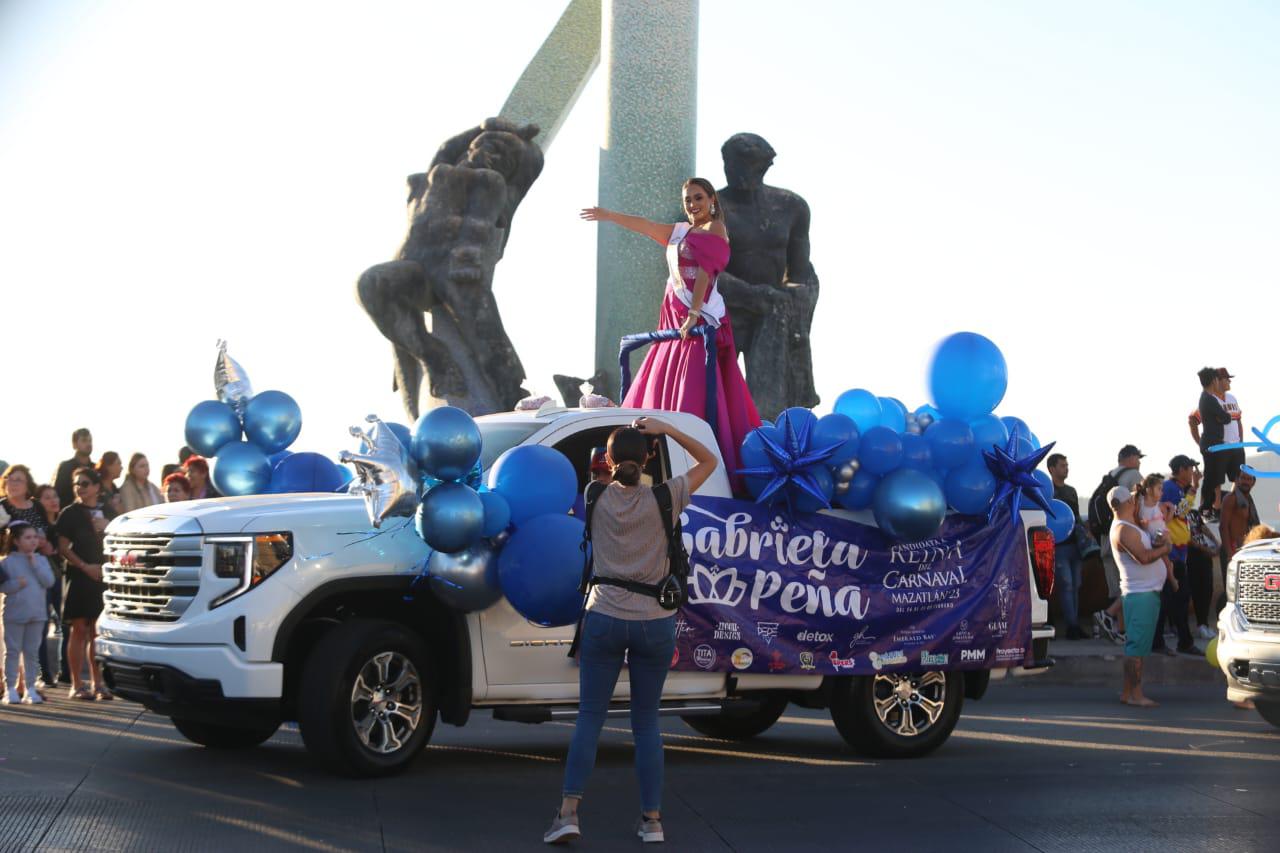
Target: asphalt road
{"x": 1029, "y": 768}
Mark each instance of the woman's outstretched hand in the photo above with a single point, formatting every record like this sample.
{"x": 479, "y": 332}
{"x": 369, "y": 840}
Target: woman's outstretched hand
{"x": 595, "y": 214}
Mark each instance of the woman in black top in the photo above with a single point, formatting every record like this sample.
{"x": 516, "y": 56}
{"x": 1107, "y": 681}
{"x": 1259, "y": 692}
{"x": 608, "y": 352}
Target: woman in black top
{"x": 47, "y": 499}
{"x": 109, "y": 470}
{"x": 80, "y": 528}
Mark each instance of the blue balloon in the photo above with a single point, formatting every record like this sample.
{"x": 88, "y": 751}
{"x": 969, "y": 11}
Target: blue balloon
{"x": 952, "y": 443}
{"x": 916, "y": 453}
{"x": 833, "y": 428}
{"x": 241, "y": 468}
{"x": 989, "y": 431}
{"x": 446, "y": 443}
{"x": 497, "y": 513}
{"x": 346, "y": 476}
{"x": 535, "y": 480}
{"x": 908, "y": 505}
{"x": 893, "y": 414}
{"x": 967, "y": 376}
{"x": 931, "y": 411}
{"x": 1046, "y": 484}
{"x": 450, "y": 517}
{"x": 272, "y": 420}
{"x": 1024, "y": 447}
{"x": 402, "y": 434}
{"x": 862, "y": 490}
{"x": 275, "y": 458}
{"x": 753, "y": 453}
{"x": 210, "y": 425}
{"x": 862, "y": 406}
{"x": 970, "y": 488}
{"x": 1010, "y": 422}
{"x": 1061, "y": 521}
{"x": 802, "y": 421}
{"x": 306, "y": 472}
{"x": 881, "y": 450}
{"x": 805, "y": 502}
{"x": 540, "y": 568}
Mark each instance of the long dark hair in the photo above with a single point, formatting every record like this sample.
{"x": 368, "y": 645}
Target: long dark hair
{"x": 628, "y": 451}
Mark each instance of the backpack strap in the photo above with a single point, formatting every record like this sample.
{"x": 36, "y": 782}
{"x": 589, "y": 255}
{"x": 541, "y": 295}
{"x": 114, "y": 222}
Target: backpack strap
{"x": 589, "y": 498}
{"x": 662, "y": 494}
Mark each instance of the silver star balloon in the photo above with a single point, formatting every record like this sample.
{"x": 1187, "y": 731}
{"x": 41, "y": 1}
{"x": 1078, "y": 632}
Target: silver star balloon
{"x": 382, "y": 473}
{"x": 230, "y": 381}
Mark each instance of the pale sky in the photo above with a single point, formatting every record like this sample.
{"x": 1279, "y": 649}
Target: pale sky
{"x": 1093, "y": 185}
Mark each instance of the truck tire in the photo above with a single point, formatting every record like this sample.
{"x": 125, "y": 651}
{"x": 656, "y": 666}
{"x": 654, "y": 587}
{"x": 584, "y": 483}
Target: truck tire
{"x": 1270, "y": 711}
{"x": 217, "y": 736}
{"x": 365, "y": 700}
{"x": 741, "y": 726}
{"x": 899, "y": 714}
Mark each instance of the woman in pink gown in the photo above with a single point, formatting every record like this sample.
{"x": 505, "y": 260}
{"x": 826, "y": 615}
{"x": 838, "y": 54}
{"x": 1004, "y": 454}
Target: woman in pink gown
{"x": 674, "y": 374}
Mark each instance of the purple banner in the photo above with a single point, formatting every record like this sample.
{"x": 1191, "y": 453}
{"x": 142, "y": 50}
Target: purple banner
{"x": 822, "y": 595}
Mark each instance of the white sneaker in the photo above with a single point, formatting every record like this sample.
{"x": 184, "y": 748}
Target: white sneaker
{"x": 32, "y": 698}
{"x": 649, "y": 830}
{"x": 11, "y": 697}
{"x": 1206, "y": 633}
{"x": 563, "y": 830}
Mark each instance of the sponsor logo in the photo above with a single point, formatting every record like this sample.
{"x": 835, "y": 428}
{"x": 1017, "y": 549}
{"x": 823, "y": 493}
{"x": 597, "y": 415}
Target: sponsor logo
{"x": 1002, "y": 598}
{"x": 727, "y": 631}
{"x": 923, "y": 580}
{"x": 973, "y": 655}
{"x": 862, "y": 638}
{"x": 913, "y": 637}
{"x": 806, "y": 660}
{"x": 742, "y": 658}
{"x": 1271, "y": 583}
{"x": 704, "y": 656}
{"x": 963, "y": 635}
{"x": 892, "y": 658}
{"x": 776, "y": 664}
{"x": 682, "y": 627}
{"x": 768, "y": 631}
{"x": 930, "y": 659}
{"x": 839, "y": 663}
{"x": 1011, "y": 654}
{"x": 714, "y": 585}
{"x": 813, "y": 637}
{"x": 998, "y": 629}
{"x": 675, "y": 657}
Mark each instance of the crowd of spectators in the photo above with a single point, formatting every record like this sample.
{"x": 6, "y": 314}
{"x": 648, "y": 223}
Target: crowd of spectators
{"x": 51, "y": 556}
{"x": 1159, "y": 537}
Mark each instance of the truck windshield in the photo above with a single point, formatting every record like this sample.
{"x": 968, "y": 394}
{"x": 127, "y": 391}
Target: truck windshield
{"x": 501, "y": 437}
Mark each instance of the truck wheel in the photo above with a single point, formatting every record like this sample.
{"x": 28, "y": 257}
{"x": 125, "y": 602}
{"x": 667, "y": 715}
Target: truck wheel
{"x": 1270, "y": 711}
{"x": 900, "y": 714}
{"x": 741, "y": 726}
{"x": 365, "y": 704}
{"x": 216, "y": 736}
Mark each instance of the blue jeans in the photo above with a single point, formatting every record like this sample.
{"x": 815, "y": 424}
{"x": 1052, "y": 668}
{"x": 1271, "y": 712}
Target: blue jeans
{"x": 648, "y": 646}
{"x": 1067, "y": 574}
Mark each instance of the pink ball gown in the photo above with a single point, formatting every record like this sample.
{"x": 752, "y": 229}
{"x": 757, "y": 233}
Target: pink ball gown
{"x": 673, "y": 376}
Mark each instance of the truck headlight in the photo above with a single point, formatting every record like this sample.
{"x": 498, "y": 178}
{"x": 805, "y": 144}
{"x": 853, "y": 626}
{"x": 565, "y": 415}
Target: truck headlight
{"x": 1229, "y": 583}
{"x": 250, "y": 559}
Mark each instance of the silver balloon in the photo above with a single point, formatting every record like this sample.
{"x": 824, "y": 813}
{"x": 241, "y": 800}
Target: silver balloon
{"x": 855, "y": 464}
{"x": 841, "y": 488}
{"x": 231, "y": 382}
{"x": 846, "y": 472}
{"x": 467, "y": 580}
{"x": 382, "y": 477}
{"x": 925, "y": 420}
{"x": 914, "y": 429}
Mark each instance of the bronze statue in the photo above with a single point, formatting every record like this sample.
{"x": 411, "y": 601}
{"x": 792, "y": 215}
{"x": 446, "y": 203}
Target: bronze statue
{"x": 460, "y": 214}
{"x": 770, "y": 285}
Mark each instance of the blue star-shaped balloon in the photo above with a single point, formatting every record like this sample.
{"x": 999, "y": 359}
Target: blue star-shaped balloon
{"x": 1263, "y": 443}
{"x": 1014, "y": 477}
{"x": 789, "y": 461}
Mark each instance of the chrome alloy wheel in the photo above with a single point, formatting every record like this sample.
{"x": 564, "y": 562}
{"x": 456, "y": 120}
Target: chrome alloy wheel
{"x": 909, "y": 703}
{"x": 386, "y": 702}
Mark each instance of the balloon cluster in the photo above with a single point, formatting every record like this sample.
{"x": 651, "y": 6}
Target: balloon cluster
{"x": 508, "y": 535}
{"x": 906, "y": 466}
{"x": 247, "y": 436}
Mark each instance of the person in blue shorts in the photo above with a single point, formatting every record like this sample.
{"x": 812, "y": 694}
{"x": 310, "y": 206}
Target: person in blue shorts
{"x": 1142, "y": 575}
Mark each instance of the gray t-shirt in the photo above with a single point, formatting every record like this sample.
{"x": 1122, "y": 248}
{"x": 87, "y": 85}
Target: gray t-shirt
{"x": 628, "y": 542}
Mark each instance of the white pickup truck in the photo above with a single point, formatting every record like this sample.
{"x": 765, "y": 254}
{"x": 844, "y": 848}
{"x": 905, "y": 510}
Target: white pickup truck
{"x": 1249, "y": 628}
{"x": 231, "y": 616}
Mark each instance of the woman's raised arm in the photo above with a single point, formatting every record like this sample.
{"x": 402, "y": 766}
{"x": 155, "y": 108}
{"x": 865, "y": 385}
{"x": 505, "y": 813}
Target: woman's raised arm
{"x": 658, "y": 232}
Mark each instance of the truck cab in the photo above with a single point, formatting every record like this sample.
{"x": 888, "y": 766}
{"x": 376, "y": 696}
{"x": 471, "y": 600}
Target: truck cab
{"x": 231, "y": 616}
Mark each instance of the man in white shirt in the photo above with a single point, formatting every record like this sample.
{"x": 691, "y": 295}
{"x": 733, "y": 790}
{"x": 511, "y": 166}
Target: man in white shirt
{"x": 1225, "y": 463}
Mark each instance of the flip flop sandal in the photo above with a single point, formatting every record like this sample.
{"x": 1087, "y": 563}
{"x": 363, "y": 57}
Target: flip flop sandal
{"x": 103, "y": 695}
{"x": 84, "y": 694}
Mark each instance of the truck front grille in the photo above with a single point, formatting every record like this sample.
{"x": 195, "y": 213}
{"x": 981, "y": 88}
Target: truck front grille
{"x": 151, "y": 578}
{"x": 1257, "y": 603}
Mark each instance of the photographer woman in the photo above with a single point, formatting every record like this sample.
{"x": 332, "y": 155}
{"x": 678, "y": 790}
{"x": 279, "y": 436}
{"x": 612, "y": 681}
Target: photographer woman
{"x": 629, "y": 543}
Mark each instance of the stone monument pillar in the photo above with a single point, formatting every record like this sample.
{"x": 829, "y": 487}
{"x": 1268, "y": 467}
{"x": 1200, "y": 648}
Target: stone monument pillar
{"x": 649, "y": 49}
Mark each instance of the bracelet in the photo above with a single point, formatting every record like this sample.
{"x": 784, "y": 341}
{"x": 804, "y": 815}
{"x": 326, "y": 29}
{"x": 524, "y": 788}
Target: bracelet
{"x": 695, "y": 312}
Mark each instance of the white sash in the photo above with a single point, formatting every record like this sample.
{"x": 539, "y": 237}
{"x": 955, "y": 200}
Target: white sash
{"x": 713, "y": 304}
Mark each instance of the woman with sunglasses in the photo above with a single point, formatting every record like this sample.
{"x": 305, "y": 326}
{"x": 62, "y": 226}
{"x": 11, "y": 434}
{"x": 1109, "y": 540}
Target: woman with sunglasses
{"x": 80, "y": 529}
